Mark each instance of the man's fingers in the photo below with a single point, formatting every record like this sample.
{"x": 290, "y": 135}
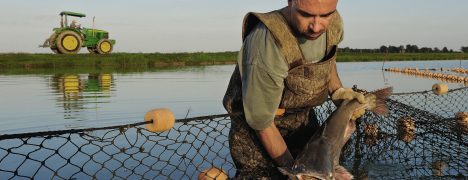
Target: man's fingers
{"x": 357, "y": 114}
{"x": 348, "y": 94}
{"x": 360, "y": 97}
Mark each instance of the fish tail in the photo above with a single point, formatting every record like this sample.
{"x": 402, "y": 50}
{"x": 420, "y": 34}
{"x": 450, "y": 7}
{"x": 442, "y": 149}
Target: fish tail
{"x": 381, "y": 96}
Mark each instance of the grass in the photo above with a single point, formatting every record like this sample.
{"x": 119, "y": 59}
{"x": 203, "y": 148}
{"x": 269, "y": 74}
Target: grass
{"x": 120, "y": 60}
{"x": 147, "y": 61}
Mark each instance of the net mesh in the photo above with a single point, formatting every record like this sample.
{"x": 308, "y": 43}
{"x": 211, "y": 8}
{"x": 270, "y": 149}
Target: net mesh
{"x": 420, "y": 138}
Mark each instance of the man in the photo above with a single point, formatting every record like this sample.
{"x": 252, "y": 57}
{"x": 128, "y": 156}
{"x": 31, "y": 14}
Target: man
{"x": 74, "y": 24}
{"x": 287, "y": 63}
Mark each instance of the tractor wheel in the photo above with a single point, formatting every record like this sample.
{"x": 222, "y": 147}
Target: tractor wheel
{"x": 68, "y": 42}
{"x": 92, "y": 50}
{"x": 104, "y": 46}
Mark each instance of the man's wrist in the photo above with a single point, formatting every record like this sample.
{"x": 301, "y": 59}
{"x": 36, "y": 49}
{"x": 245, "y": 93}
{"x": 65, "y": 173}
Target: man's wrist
{"x": 336, "y": 92}
{"x": 285, "y": 159}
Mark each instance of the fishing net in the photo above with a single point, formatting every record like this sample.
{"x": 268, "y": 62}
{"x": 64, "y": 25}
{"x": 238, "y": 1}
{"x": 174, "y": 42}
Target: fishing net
{"x": 420, "y": 138}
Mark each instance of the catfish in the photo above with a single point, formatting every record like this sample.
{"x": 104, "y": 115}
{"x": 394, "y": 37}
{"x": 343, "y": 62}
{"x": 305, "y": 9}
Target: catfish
{"x": 320, "y": 157}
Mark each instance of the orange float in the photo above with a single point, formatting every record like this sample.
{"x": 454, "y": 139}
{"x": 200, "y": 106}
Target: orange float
{"x": 440, "y": 88}
{"x": 212, "y": 173}
{"x": 161, "y": 119}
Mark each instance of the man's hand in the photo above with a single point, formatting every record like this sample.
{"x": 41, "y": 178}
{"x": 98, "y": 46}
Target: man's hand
{"x": 349, "y": 94}
{"x": 275, "y": 146}
{"x": 358, "y": 114}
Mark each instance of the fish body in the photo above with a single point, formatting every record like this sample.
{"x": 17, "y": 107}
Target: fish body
{"x": 320, "y": 157}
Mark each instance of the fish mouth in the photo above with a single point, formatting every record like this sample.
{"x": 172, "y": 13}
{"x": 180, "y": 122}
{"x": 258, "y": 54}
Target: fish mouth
{"x": 312, "y": 176}
{"x": 293, "y": 173}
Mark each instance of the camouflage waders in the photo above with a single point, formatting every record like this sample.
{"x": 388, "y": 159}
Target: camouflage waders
{"x": 306, "y": 86}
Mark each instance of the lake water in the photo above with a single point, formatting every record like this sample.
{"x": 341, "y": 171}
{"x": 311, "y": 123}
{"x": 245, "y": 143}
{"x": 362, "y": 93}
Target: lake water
{"x": 65, "y": 101}
{"x": 31, "y": 103}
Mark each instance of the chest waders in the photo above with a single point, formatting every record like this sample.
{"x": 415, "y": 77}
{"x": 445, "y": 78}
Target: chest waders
{"x": 306, "y": 86}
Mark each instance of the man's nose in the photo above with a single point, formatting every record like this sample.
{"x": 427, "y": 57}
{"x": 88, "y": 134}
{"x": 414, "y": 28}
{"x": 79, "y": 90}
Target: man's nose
{"x": 316, "y": 25}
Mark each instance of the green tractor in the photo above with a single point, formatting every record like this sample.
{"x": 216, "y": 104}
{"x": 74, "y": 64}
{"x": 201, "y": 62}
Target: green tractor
{"x": 69, "y": 38}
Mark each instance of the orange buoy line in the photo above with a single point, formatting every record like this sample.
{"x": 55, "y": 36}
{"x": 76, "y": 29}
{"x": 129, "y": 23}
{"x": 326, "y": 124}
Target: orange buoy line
{"x": 429, "y": 74}
{"x": 460, "y": 70}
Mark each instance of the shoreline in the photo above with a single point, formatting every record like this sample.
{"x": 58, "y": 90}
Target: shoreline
{"x": 121, "y": 61}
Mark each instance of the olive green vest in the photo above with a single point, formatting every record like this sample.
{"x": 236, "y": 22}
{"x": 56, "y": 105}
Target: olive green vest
{"x": 306, "y": 84}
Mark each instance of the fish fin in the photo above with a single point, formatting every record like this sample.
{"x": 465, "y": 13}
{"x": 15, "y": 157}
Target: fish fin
{"x": 381, "y": 96}
{"x": 342, "y": 174}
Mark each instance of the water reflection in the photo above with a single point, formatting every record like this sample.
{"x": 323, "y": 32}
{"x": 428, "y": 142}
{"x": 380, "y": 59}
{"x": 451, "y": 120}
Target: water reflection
{"x": 77, "y": 92}
{"x": 101, "y": 82}
{"x": 37, "y": 100}
{"x": 69, "y": 85}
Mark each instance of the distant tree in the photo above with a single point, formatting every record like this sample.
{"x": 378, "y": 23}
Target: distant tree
{"x": 393, "y": 49}
{"x": 464, "y": 49}
{"x": 445, "y": 50}
{"x": 416, "y": 48}
{"x": 401, "y": 49}
{"x": 409, "y": 48}
{"x": 425, "y": 50}
{"x": 412, "y": 48}
{"x": 383, "y": 49}
{"x": 346, "y": 49}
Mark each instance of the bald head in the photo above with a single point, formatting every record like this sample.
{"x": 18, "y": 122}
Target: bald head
{"x": 315, "y": 4}
{"x": 332, "y": 1}
{"x": 310, "y": 18}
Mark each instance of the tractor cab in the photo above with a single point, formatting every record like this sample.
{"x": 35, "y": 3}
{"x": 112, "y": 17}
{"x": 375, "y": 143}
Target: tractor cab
{"x": 64, "y": 19}
{"x": 70, "y": 37}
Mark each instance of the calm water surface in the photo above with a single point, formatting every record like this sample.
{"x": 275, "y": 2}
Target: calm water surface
{"x": 62, "y": 101}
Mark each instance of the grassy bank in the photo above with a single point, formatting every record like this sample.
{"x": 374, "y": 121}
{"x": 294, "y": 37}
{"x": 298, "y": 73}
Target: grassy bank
{"x": 116, "y": 60}
{"x": 158, "y": 60}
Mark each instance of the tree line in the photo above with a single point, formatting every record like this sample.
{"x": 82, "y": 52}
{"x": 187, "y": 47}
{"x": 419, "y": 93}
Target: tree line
{"x": 402, "y": 49}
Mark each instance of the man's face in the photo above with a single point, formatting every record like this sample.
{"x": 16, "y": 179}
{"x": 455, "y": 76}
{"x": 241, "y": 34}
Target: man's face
{"x": 310, "y": 18}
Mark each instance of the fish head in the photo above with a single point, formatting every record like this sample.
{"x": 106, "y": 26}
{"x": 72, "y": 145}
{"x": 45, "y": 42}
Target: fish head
{"x": 316, "y": 161}
{"x": 300, "y": 172}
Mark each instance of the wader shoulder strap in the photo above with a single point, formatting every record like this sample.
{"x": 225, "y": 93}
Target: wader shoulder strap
{"x": 281, "y": 32}
{"x": 334, "y": 32}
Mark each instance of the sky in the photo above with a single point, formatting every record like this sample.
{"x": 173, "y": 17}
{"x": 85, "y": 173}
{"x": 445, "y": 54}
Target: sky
{"x": 215, "y": 25}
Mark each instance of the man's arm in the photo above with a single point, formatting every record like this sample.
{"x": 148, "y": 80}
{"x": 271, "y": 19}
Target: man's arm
{"x": 275, "y": 146}
{"x": 335, "y": 82}
{"x": 263, "y": 70}
{"x": 338, "y": 93}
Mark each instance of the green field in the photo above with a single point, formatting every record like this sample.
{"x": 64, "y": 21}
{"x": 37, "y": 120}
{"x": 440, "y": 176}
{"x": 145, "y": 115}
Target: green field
{"x": 115, "y": 60}
{"x": 119, "y": 61}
